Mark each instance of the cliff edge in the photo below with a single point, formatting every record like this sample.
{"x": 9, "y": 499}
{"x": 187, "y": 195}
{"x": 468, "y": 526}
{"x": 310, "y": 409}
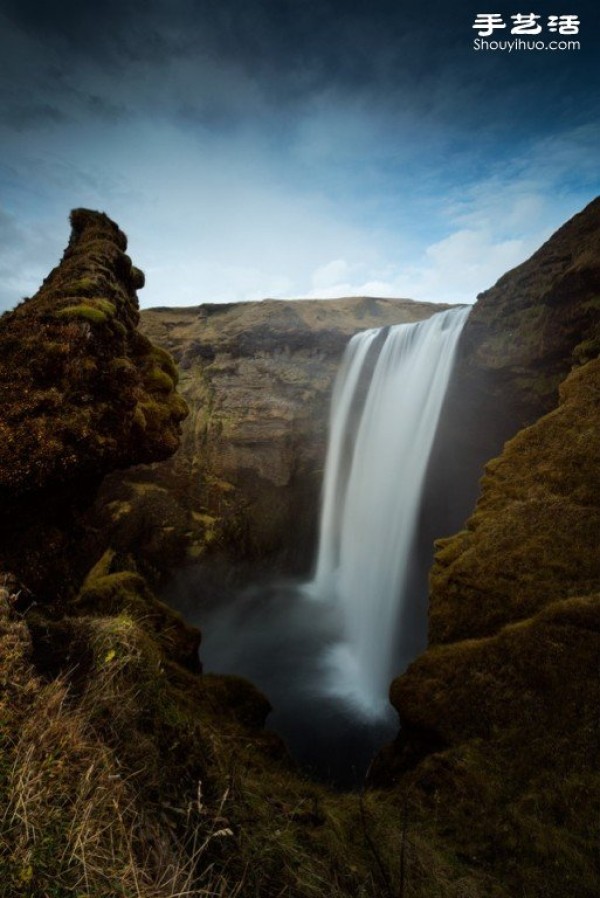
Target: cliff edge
{"x": 499, "y": 717}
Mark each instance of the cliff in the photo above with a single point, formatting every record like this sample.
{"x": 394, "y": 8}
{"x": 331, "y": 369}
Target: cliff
{"x": 522, "y": 338}
{"x": 83, "y": 392}
{"x": 499, "y": 718}
{"x": 257, "y": 378}
{"x": 539, "y": 319}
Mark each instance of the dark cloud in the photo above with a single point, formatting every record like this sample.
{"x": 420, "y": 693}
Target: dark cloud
{"x": 285, "y": 111}
{"x": 26, "y": 115}
{"x": 183, "y": 53}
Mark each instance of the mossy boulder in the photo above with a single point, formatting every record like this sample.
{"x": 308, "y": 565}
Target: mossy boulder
{"x": 117, "y": 593}
{"x": 66, "y": 409}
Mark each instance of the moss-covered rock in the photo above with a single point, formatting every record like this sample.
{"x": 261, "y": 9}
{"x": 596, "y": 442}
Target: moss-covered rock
{"x": 82, "y": 393}
{"x": 66, "y": 411}
{"x": 123, "y": 592}
{"x": 534, "y": 536}
{"x": 499, "y": 718}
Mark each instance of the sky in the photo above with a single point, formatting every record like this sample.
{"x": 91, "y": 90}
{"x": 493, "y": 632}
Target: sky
{"x": 293, "y": 148}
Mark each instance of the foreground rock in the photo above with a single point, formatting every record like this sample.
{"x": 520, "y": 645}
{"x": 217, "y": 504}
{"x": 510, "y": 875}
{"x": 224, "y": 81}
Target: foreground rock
{"x": 83, "y": 392}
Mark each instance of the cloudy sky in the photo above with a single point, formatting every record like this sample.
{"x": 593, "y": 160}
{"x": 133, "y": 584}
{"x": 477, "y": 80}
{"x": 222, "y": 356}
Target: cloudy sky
{"x": 287, "y": 148}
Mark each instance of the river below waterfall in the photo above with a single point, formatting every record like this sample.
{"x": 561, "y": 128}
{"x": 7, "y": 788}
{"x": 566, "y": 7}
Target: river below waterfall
{"x": 272, "y": 634}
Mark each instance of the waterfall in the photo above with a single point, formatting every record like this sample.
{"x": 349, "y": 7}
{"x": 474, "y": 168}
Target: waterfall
{"x": 384, "y": 413}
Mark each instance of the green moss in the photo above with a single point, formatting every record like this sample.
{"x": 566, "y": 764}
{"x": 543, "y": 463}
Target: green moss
{"x": 84, "y": 286}
{"x": 587, "y": 350}
{"x": 139, "y": 418}
{"x": 119, "y": 327}
{"x": 123, "y": 368}
{"x": 138, "y": 278}
{"x": 83, "y": 312}
{"x": 157, "y": 380}
{"x": 105, "y": 305}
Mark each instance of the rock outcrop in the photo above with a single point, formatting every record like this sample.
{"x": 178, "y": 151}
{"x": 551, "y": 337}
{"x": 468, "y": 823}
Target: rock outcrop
{"x": 257, "y": 378}
{"x": 83, "y": 392}
{"x": 499, "y": 718}
{"x": 521, "y": 340}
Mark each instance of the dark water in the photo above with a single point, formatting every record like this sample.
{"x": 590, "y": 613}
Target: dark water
{"x": 278, "y": 638}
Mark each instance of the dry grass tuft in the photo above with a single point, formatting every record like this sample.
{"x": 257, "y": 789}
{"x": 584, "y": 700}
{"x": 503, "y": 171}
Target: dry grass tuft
{"x": 78, "y": 825}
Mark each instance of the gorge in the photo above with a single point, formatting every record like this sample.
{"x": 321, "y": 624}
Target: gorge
{"x": 127, "y": 771}
{"x": 327, "y": 648}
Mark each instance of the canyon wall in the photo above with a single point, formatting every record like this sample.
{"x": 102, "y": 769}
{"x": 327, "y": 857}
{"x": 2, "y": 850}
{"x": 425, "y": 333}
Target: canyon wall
{"x": 499, "y": 717}
{"x": 122, "y": 770}
{"x": 245, "y": 485}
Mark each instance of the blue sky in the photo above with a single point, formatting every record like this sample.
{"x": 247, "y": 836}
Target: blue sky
{"x": 279, "y": 148}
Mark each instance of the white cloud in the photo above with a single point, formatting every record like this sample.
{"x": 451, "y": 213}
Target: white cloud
{"x": 326, "y": 276}
{"x": 452, "y": 270}
{"x": 214, "y": 219}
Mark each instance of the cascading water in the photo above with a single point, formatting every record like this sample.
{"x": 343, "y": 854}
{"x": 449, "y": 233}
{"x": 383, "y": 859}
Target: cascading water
{"x": 377, "y": 458}
{"x": 325, "y": 652}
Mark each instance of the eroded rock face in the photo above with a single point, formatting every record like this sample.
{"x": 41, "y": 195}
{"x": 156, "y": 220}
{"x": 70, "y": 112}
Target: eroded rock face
{"x": 535, "y": 534}
{"x": 257, "y": 378}
{"x": 521, "y": 340}
{"x": 542, "y": 317}
{"x": 499, "y": 721}
{"x": 83, "y": 392}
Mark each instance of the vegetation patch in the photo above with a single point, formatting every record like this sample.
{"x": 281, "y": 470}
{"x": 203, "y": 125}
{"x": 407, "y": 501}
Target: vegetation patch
{"x": 84, "y": 312}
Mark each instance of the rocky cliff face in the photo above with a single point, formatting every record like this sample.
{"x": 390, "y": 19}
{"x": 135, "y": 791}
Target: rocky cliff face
{"x": 257, "y": 378}
{"x": 499, "y": 718}
{"x": 521, "y": 340}
{"x": 83, "y": 392}
{"x": 540, "y": 319}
